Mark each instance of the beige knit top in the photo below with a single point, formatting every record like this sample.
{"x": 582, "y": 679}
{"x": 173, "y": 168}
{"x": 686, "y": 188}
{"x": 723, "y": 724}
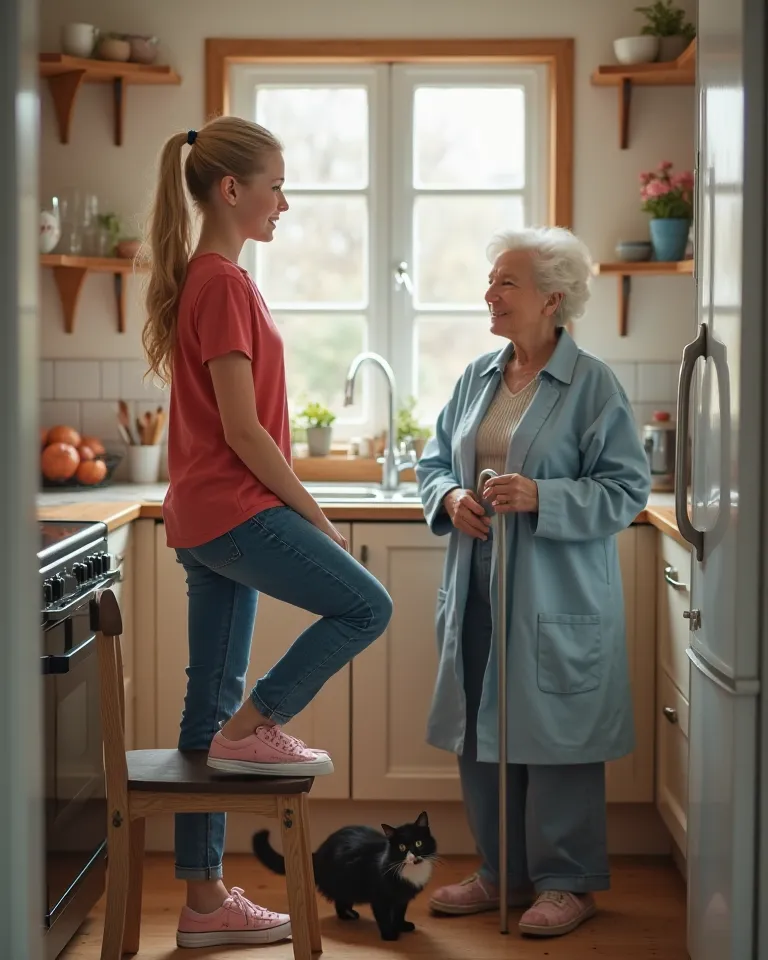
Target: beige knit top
{"x": 498, "y": 425}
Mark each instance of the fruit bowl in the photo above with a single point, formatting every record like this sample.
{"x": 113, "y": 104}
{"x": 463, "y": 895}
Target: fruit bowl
{"x": 111, "y": 461}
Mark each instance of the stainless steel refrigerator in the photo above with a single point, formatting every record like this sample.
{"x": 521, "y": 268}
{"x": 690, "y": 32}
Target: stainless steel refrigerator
{"x": 723, "y": 435}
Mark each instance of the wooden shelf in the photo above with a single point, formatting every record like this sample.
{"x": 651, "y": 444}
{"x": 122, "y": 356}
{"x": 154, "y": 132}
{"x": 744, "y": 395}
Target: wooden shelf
{"x": 675, "y": 73}
{"x": 646, "y": 268}
{"x": 65, "y": 74}
{"x": 69, "y": 274}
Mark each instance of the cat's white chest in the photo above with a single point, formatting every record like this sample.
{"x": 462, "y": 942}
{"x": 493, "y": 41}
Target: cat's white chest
{"x": 417, "y": 874}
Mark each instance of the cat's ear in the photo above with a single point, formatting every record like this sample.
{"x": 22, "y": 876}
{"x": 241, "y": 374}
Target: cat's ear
{"x": 422, "y": 820}
{"x": 388, "y": 831}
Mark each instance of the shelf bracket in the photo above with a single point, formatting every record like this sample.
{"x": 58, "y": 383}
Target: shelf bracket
{"x": 118, "y": 95}
{"x": 69, "y": 281}
{"x": 120, "y": 301}
{"x": 625, "y": 100}
{"x": 64, "y": 87}
{"x": 625, "y": 286}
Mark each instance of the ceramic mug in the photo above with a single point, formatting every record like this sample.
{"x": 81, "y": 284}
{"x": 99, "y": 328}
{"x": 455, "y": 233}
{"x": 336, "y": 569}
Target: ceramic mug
{"x": 78, "y": 39}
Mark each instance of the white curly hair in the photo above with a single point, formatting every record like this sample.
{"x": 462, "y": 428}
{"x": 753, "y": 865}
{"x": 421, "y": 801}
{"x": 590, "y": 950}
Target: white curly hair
{"x": 561, "y": 264}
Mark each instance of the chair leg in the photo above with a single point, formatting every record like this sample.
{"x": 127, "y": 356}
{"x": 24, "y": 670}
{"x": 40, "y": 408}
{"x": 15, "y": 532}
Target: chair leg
{"x": 118, "y": 871}
{"x": 298, "y": 874}
{"x": 315, "y": 939}
{"x": 132, "y": 932}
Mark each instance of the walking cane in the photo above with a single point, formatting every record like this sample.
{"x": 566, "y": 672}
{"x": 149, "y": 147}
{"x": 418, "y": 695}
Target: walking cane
{"x": 501, "y": 620}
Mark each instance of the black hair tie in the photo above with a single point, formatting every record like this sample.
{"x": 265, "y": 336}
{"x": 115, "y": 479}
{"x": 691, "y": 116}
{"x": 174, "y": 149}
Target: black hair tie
{"x": 191, "y": 137}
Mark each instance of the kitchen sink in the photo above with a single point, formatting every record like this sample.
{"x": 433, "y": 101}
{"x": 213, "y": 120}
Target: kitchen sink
{"x": 362, "y": 493}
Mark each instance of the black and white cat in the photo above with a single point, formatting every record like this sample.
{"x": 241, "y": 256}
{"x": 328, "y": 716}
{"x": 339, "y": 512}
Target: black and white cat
{"x": 358, "y": 865}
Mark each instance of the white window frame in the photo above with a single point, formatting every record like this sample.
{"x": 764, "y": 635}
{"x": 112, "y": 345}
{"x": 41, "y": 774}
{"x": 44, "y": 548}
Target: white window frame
{"x": 390, "y": 311}
{"x": 534, "y": 82}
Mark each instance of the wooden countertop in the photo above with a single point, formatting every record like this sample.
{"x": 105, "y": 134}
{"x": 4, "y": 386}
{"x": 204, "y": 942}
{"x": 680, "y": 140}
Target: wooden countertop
{"x": 119, "y": 512}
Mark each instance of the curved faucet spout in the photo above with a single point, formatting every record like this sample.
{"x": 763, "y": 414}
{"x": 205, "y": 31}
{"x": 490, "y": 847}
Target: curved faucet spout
{"x": 391, "y": 467}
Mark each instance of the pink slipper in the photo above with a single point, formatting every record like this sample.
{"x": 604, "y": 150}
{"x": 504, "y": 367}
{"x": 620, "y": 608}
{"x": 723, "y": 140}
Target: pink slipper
{"x": 557, "y": 912}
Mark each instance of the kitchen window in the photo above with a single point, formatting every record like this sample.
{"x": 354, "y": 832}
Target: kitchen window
{"x": 397, "y": 175}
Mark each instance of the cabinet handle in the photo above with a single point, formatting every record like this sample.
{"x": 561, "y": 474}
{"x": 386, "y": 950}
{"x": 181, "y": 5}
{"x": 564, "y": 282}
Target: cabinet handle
{"x": 670, "y": 714}
{"x": 670, "y": 575}
{"x": 364, "y": 555}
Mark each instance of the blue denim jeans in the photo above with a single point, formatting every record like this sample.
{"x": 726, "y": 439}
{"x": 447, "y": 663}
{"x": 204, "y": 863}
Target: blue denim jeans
{"x": 556, "y": 816}
{"x": 279, "y": 553}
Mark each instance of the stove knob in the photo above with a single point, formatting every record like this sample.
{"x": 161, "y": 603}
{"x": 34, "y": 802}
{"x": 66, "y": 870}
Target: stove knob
{"x": 47, "y": 593}
{"x": 91, "y": 564}
{"x": 58, "y": 588}
{"x": 80, "y": 573}
{"x": 106, "y": 562}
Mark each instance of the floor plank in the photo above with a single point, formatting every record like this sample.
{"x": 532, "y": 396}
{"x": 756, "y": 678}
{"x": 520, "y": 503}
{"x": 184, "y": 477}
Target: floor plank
{"x": 641, "y": 918}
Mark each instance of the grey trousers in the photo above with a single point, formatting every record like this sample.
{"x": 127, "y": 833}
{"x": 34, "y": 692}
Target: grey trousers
{"x": 556, "y": 816}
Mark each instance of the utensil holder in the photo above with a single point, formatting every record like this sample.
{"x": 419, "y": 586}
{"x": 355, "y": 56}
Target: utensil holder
{"x": 144, "y": 463}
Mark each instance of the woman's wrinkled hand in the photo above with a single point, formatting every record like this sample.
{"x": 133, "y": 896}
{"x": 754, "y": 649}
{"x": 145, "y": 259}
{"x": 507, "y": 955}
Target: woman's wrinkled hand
{"x": 512, "y": 493}
{"x": 466, "y": 513}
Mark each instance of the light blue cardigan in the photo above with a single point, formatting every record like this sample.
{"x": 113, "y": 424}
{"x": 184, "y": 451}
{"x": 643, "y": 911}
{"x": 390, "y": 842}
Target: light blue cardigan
{"x": 568, "y": 691}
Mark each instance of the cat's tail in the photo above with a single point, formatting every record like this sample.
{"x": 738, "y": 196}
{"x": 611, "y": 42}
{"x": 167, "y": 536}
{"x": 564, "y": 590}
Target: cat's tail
{"x": 266, "y": 853}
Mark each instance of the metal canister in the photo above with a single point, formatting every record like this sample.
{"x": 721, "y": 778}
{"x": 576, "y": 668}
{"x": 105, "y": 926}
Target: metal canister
{"x": 659, "y": 442}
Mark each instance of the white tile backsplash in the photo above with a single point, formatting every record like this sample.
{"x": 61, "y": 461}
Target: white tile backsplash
{"x": 76, "y": 379}
{"x": 99, "y": 419}
{"x": 46, "y": 380}
{"x": 110, "y": 379}
{"x": 134, "y": 387}
{"x": 657, "y": 382}
{"x": 627, "y": 377}
{"x": 55, "y": 413}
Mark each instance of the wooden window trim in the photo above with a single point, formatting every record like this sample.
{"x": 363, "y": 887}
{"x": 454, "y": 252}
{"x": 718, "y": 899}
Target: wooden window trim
{"x": 556, "y": 55}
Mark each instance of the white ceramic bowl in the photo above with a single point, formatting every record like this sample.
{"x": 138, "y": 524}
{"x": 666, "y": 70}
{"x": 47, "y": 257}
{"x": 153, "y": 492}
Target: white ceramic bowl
{"x": 636, "y": 49}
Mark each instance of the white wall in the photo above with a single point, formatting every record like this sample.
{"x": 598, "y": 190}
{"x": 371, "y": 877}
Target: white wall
{"x": 606, "y": 205}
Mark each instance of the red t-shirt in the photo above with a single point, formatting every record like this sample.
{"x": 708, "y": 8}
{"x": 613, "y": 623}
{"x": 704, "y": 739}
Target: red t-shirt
{"x": 211, "y": 490}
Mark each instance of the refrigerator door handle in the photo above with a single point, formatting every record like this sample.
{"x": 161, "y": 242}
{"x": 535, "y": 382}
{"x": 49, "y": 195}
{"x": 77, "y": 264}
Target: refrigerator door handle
{"x": 691, "y": 353}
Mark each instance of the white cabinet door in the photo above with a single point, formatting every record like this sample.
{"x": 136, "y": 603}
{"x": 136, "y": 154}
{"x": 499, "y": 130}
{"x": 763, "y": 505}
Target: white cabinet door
{"x": 392, "y": 681}
{"x": 324, "y": 723}
{"x": 672, "y": 759}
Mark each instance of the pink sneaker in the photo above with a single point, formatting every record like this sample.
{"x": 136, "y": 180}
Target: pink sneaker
{"x": 268, "y": 752}
{"x": 557, "y": 912}
{"x": 474, "y": 895}
{"x": 236, "y": 921}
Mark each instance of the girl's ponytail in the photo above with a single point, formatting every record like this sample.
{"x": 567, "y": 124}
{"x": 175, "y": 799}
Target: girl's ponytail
{"x": 170, "y": 234}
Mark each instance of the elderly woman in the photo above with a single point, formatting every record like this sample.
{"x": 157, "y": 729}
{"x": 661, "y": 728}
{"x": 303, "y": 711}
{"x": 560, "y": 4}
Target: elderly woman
{"x": 557, "y": 427}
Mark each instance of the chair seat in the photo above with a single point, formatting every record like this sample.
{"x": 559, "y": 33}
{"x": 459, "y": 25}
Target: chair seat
{"x": 174, "y": 771}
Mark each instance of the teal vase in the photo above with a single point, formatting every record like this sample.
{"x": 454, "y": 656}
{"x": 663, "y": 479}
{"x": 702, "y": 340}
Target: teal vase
{"x": 669, "y": 237}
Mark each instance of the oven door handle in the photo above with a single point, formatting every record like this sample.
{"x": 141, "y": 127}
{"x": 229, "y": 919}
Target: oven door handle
{"x": 62, "y": 613}
{"x": 65, "y": 662}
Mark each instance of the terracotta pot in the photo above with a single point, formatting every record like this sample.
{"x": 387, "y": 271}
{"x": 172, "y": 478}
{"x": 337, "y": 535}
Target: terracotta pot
{"x": 112, "y": 48}
{"x": 128, "y": 249}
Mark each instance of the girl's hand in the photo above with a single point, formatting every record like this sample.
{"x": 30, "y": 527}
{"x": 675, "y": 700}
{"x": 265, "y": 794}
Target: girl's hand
{"x": 324, "y": 524}
{"x": 466, "y": 513}
{"x": 512, "y": 493}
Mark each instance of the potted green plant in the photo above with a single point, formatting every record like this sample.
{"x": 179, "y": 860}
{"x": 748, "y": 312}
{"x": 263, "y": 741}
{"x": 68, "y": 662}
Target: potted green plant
{"x": 668, "y": 23}
{"x": 669, "y": 199}
{"x": 408, "y": 429}
{"x": 316, "y": 419}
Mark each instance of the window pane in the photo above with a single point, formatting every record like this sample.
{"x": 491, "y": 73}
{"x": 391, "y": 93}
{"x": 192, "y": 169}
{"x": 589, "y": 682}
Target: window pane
{"x": 324, "y": 131}
{"x": 318, "y": 352}
{"x": 319, "y": 254}
{"x": 451, "y": 235}
{"x": 469, "y": 137}
{"x": 445, "y": 346}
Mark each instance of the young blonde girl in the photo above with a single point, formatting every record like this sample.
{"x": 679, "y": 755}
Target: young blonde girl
{"x": 235, "y": 512}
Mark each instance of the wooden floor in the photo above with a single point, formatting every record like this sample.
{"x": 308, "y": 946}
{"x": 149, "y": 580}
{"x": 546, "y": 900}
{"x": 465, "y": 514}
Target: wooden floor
{"x": 641, "y": 918}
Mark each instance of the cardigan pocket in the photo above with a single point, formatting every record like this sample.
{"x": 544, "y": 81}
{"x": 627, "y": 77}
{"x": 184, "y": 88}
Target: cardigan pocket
{"x": 569, "y": 653}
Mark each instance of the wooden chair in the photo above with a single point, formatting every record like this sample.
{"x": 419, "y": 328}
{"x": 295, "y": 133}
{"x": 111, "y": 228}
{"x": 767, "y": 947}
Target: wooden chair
{"x": 144, "y": 782}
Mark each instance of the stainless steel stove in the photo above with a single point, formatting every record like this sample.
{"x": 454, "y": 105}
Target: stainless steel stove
{"x": 74, "y": 564}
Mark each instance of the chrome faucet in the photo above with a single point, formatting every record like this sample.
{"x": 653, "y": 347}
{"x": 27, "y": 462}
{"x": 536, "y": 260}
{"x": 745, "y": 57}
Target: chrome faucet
{"x": 393, "y": 464}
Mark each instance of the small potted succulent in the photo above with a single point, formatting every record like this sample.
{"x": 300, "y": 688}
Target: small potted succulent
{"x": 668, "y": 23}
{"x": 317, "y": 419}
{"x": 408, "y": 428}
{"x": 668, "y": 198}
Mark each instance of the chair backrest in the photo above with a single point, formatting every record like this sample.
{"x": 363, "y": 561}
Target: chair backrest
{"x": 112, "y": 700}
